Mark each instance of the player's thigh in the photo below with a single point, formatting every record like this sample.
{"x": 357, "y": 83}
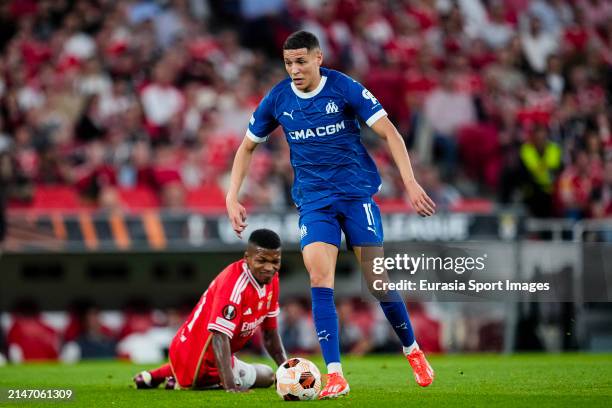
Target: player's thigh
{"x": 265, "y": 376}
{"x": 320, "y": 234}
{"x": 361, "y": 222}
{"x": 320, "y": 261}
{"x": 362, "y": 225}
{"x": 184, "y": 360}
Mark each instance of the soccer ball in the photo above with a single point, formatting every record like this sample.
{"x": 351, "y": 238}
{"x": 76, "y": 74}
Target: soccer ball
{"x": 298, "y": 379}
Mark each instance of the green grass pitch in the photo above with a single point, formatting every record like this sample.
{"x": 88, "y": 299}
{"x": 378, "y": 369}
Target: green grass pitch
{"x": 561, "y": 380}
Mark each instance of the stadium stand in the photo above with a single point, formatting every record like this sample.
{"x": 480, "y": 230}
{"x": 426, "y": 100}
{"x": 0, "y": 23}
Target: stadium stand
{"x": 107, "y": 104}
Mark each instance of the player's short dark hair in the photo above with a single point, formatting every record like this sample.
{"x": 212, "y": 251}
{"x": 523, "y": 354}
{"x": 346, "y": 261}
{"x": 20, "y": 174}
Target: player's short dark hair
{"x": 301, "y": 39}
{"x": 265, "y": 238}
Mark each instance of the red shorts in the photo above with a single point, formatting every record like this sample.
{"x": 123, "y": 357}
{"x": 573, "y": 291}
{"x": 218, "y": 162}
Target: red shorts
{"x": 194, "y": 365}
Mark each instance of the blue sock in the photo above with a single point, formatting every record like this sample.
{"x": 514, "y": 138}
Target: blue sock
{"x": 326, "y": 323}
{"x": 395, "y": 310}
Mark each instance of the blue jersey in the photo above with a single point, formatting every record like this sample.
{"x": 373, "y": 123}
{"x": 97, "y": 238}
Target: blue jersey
{"x": 322, "y": 129}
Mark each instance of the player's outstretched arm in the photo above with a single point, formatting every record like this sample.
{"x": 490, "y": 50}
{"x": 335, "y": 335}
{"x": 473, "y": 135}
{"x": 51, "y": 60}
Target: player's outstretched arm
{"x": 419, "y": 199}
{"x": 223, "y": 357}
{"x": 236, "y": 211}
{"x": 274, "y": 346}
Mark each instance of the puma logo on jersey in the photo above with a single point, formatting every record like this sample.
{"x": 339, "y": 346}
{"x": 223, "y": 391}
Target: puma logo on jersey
{"x": 289, "y": 114}
{"x": 403, "y": 326}
{"x": 372, "y": 229}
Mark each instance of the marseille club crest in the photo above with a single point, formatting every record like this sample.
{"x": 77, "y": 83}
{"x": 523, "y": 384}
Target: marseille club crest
{"x": 331, "y": 107}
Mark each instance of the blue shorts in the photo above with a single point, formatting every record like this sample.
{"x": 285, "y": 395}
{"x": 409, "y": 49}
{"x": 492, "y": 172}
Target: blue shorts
{"x": 358, "y": 218}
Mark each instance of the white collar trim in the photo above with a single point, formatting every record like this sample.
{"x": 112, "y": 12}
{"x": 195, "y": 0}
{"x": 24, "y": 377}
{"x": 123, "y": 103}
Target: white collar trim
{"x": 314, "y": 92}
{"x": 261, "y": 291}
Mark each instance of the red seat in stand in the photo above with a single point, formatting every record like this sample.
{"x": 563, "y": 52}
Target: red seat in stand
{"x": 56, "y": 197}
{"x": 208, "y": 197}
{"x": 139, "y": 197}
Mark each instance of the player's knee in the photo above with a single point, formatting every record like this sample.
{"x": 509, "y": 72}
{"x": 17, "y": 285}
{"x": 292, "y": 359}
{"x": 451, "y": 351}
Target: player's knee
{"x": 380, "y": 295}
{"x": 265, "y": 376}
{"x": 321, "y": 280}
{"x": 269, "y": 377}
{"x": 320, "y": 261}
{"x": 386, "y": 295}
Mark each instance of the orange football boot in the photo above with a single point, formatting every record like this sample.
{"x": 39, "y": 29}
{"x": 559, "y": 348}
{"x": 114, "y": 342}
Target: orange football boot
{"x": 336, "y": 387}
{"x": 423, "y": 373}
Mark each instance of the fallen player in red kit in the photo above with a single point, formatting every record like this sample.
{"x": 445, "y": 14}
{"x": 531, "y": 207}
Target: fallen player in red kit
{"x": 243, "y": 297}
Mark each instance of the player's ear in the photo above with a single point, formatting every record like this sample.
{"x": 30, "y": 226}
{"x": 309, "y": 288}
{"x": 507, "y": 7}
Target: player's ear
{"x": 319, "y": 56}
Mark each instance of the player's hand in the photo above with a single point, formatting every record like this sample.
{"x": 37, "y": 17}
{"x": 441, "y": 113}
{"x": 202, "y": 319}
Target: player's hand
{"x": 419, "y": 200}
{"x": 237, "y": 215}
{"x": 237, "y": 388}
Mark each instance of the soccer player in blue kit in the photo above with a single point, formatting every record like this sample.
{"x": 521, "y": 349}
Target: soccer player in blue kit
{"x": 334, "y": 181}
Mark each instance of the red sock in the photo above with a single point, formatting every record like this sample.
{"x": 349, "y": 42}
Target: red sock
{"x": 160, "y": 374}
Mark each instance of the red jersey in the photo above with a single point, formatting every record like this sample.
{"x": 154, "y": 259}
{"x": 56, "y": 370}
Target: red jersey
{"x": 234, "y": 304}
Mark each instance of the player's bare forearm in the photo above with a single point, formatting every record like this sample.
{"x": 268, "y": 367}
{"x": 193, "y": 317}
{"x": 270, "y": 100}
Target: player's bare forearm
{"x": 223, "y": 358}
{"x": 420, "y": 201}
{"x": 274, "y": 346}
{"x": 242, "y": 160}
{"x": 386, "y": 130}
{"x": 235, "y": 211}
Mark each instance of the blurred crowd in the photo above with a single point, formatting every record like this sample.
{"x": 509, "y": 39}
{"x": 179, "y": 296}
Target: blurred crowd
{"x": 507, "y": 100}
{"x": 142, "y": 335}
